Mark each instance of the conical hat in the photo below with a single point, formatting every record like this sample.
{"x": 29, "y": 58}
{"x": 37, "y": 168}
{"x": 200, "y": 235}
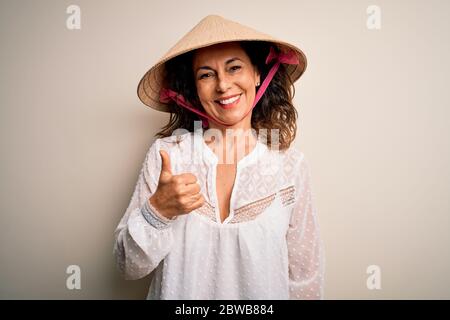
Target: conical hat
{"x": 210, "y": 30}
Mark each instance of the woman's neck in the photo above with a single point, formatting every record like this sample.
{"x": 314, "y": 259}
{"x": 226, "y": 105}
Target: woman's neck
{"x": 231, "y": 144}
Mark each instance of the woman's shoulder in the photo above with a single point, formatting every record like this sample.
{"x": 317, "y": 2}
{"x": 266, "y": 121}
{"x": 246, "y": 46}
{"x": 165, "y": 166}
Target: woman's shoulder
{"x": 173, "y": 140}
{"x": 292, "y": 163}
{"x": 177, "y": 146}
{"x": 293, "y": 154}
{"x": 173, "y": 144}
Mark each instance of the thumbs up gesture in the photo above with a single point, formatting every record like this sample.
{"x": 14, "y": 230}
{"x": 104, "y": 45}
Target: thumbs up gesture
{"x": 175, "y": 194}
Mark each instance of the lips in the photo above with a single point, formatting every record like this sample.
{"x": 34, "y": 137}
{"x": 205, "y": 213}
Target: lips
{"x": 228, "y": 97}
{"x": 229, "y": 105}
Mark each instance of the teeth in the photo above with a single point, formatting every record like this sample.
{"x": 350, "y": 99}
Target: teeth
{"x": 228, "y": 101}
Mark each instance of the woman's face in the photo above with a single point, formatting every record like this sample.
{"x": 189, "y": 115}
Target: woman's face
{"x": 224, "y": 73}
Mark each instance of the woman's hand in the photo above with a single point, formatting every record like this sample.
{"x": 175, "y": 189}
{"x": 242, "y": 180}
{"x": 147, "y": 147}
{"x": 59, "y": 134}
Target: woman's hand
{"x": 176, "y": 194}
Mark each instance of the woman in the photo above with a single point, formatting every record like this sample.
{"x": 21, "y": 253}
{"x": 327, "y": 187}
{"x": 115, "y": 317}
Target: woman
{"x": 226, "y": 213}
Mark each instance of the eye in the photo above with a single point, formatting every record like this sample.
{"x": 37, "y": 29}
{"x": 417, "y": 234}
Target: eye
{"x": 205, "y": 75}
{"x": 234, "y": 68}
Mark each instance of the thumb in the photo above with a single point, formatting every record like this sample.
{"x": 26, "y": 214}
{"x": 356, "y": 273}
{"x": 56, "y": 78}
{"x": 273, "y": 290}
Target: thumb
{"x": 166, "y": 171}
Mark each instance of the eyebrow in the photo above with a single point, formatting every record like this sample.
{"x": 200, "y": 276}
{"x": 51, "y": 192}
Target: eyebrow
{"x": 209, "y": 68}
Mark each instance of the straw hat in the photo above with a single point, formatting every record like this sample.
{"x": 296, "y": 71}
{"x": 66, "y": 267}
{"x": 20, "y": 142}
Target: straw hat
{"x": 210, "y": 30}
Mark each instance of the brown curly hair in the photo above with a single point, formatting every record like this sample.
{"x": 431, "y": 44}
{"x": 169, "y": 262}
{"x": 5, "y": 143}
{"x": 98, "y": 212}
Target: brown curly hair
{"x": 274, "y": 110}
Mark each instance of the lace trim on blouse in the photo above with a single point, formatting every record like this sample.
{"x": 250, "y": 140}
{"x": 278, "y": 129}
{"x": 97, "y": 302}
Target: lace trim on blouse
{"x": 253, "y": 209}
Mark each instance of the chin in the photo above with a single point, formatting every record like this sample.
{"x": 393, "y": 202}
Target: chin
{"x": 232, "y": 118}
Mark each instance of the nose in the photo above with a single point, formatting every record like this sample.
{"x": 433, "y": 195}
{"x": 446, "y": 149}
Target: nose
{"x": 223, "y": 83}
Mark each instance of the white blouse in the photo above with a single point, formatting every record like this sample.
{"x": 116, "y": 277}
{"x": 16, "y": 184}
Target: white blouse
{"x": 267, "y": 248}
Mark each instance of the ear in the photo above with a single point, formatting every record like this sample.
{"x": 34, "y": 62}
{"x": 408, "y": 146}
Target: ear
{"x": 257, "y": 77}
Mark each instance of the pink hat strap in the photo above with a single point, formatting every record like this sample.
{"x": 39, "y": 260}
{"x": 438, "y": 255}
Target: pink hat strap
{"x": 166, "y": 95}
{"x": 288, "y": 58}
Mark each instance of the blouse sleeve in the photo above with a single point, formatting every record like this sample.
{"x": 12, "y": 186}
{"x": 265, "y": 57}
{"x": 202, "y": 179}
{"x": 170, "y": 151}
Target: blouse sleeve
{"x": 143, "y": 237}
{"x": 305, "y": 248}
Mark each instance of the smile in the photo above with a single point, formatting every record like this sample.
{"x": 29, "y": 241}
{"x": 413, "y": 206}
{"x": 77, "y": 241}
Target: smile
{"x": 229, "y": 103}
